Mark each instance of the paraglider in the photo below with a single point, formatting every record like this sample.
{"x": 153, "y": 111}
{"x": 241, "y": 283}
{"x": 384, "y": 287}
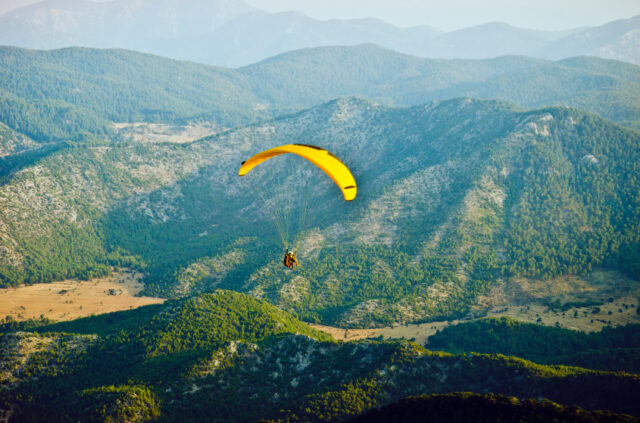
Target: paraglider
{"x": 323, "y": 159}
{"x": 290, "y": 259}
{"x": 320, "y": 157}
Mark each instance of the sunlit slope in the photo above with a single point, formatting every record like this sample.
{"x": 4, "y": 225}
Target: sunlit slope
{"x": 227, "y": 357}
{"x": 473, "y": 195}
{"x": 12, "y": 142}
{"x": 451, "y": 197}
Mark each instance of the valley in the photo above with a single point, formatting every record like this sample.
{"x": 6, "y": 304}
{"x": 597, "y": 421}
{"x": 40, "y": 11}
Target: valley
{"x": 587, "y": 304}
{"x": 145, "y": 132}
{"x": 72, "y": 299}
{"x": 604, "y": 299}
{"x": 493, "y": 247}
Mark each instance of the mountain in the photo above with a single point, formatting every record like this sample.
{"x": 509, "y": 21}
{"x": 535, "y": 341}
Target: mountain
{"x": 614, "y": 349}
{"x": 261, "y": 35}
{"x": 85, "y": 90}
{"x": 224, "y": 356}
{"x": 308, "y": 76}
{"x": 619, "y": 39}
{"x": 120, "y": 23}
{"x": 224, "y": 32}
{"x": 12, "y": 142}
{"x": 468, "y": 407}
{"x": 490, "y": 40}
{"x": 231, "y": 33}
{"x": 452, "y": 196}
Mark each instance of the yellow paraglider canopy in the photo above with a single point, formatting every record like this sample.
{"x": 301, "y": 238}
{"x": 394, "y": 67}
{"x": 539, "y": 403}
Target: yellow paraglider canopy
{"x": 320, "y": 157}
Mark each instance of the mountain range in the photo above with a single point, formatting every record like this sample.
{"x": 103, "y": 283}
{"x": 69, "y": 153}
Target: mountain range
{"x": 231, "y": 33}
{"x": 482, "y": 183}
{"x": 452, "y": 196}
{"x": 88, "y": 89}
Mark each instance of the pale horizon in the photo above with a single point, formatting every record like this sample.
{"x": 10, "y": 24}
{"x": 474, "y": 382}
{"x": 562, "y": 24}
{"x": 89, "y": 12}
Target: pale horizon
{"x": 446, "y": 15}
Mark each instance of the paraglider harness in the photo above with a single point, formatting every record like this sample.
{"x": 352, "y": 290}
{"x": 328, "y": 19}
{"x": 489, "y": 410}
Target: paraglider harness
{"x": 290, "y": 259}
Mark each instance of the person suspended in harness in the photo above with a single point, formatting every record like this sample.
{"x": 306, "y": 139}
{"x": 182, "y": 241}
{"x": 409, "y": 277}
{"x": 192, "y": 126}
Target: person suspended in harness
{"x": 290, "y": 259}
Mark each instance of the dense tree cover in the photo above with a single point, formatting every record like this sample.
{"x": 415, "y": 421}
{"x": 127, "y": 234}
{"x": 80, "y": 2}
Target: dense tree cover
{"x": 471, "y": 407}
{"x": 68, "y": 92}
{"x": 248, "y": 364}
{"x": 207, "y": 320}
{"x": 105, "y": 404}
{"x": 361, "y": 273}
{"x": 49, "y": 119}
{"x": 15, "y": 162}
{"x": 574, "y": 202}
{"x": 615, "y": 349}
{"x": 72, "y": 91}
{"x": 178, "y": 243}
{"x": 11, "y": 325}
{"x": 606, "y": 87}
{"x": 137, "y": 349}
{"x": 83, "y": 180}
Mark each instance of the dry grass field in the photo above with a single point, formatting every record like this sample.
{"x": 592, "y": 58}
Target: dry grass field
{"x": 156, "y": 132}
{"x": 71, "y": 299}
{"x": 604, "y": 298}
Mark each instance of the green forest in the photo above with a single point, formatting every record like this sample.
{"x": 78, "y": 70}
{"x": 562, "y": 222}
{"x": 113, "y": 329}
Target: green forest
{"x": 222, "y": 356}
{"x": 463, "y": 201}
{"x": 614, "y": 349}
{"x": 568, "y": 204}
{"x": 69, "y": 93}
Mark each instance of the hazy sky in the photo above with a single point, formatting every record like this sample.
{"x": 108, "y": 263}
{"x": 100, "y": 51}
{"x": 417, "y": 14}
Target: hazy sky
{"x": 455, "y": 14}
{"x": 450, "y": 14}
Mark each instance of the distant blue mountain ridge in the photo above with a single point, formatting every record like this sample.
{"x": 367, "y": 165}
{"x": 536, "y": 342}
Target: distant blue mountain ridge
{"x": 232, "y": 33}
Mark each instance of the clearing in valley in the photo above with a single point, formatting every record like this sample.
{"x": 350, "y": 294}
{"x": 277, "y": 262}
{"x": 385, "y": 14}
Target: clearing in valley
{"x": 72, "y": 299}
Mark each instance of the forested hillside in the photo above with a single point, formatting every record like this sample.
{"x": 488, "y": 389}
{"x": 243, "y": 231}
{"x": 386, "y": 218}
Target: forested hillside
{"x": 12, "y": 142}
{"x": 62, "y": 94}
{"x": 452, "y": 196}
{"x": 227, "y": 357}
{"x": 70, "y": 93}
{"x": 466, "y": 407}
{"x": 525, "y": 196}
{"x": 614, "y": 349}
{"x": 606, "y": 87}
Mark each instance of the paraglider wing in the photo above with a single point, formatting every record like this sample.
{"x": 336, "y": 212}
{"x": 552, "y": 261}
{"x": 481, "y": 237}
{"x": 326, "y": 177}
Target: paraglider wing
{"x": 320, "y": 157}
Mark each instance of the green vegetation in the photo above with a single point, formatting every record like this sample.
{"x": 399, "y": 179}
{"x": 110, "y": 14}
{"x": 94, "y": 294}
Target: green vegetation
{"x": 615, "y": 349}
{"x": 470, "y": 407}
{"x": 11, "y": 325}
{"x": 309, "y": 76}
{"x": 86, "y": 89}
{"x": 118, "y": 373}
{"x": 118, "y": 404}
{"x": 577, "y": 204}
{"x": 458, "y": 194}
{"x": 226, "y": 357}
{"x": 205, "y": 321}
{"x": 452, "y": 196}
{"x": 362, "y": 273}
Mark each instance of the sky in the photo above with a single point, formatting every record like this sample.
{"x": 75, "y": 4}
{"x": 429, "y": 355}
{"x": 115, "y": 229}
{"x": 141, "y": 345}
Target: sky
{"x": 456, "y": 14}
{"x": 449, "y": 14}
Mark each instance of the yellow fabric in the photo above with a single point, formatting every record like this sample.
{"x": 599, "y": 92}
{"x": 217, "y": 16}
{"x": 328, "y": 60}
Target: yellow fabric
{"x": 320, "y": 157}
